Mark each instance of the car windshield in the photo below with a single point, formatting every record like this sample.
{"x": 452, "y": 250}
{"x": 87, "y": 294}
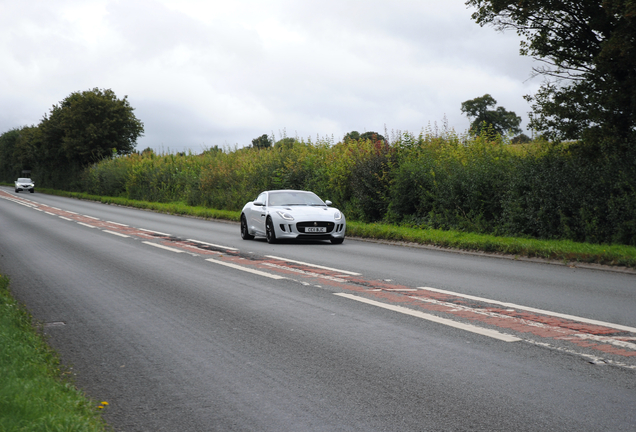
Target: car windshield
{"x": 24, "y": 180}
{"x": 294, "y": 199}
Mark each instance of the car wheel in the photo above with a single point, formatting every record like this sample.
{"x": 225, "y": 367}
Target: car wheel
{"x": 337, "y": 240}
{"x": 245, "y": 234}
{"x": 270, "y": 234}
{"x": 32, "y": 190}
{"x": 16, "y": 191}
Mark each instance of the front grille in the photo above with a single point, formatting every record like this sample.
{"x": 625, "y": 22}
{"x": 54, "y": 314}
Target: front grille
{"x": 300, "y": 226}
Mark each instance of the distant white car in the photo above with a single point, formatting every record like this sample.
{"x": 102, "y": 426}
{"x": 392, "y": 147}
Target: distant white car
{"x": 23, "y": 184}
{"x": 292, "y": 214}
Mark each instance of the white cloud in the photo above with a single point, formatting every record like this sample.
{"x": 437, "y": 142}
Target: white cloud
{"x": 217, "y": 72}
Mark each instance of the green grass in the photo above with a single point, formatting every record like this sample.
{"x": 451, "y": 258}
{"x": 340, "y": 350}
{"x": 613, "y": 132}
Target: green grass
{"x": 33, "y": 395}
{"x": 561, "y": 250}
{"x": 169, "y": 208}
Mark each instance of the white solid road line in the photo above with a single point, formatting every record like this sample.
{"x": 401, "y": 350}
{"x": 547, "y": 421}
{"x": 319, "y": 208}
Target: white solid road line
{"x": 313, "y": 265}
{"x": 306, "y": 273}
{"x": 535, "y": 310}
{"x": 164, "y": 247}
{"x": 17, "y": 201}
{"x": 467, "y": 327}
{"x": 246, "y": 269}
{"x": 116, "y": 233}
{"x": 154, "y": 232}
{"x": 212, "y": 244}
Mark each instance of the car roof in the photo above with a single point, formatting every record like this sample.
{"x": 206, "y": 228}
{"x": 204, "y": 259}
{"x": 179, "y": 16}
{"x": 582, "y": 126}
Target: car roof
{"x": 289, "y": 190}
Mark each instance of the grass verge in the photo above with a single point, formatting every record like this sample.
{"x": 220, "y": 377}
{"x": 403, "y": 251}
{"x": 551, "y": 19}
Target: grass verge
{"x": 561, "y": 250}
{"x": 33, "y": 395}
{"x": 169, "y": 208}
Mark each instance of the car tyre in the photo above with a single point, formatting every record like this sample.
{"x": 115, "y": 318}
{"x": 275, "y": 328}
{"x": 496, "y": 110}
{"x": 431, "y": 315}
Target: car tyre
{"x": 245, "y": 233}
{"x": 270, "y": 234}
{"x": 337, "y": 240}
{"x": 16, "y": 191}
{"x": 32, "y": 190}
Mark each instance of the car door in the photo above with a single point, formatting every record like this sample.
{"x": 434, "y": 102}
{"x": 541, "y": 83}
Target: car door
{"x": 259, "y": 213}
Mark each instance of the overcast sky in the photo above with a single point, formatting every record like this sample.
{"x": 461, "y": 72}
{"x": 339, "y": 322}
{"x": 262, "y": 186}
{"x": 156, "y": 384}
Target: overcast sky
{"x": 201, "y": 73}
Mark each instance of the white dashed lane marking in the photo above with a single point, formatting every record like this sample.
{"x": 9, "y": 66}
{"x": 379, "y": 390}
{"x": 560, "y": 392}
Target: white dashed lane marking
{"x": 116, "y": 233}
{"x": 246, "y": 269}
{"x": 157, "y": 245}
{"x": 213, "y": 245}
{"x": 467, "y": 327}
{"x": 154, "y": 232}
{"x": 313, "y": 265}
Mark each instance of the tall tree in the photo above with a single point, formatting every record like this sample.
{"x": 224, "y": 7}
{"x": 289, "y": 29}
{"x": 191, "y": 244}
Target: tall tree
{"x": 262, "y": 142}
{"x": 500, "y": 119}
{"x": 355, "y": 135}
{"x": 588, "y": 52}
{"x": 85, "y": 128}
{"x": 8, "y": 167}
{"x": 18, "y": 152}
{"x": 91, "y": 125}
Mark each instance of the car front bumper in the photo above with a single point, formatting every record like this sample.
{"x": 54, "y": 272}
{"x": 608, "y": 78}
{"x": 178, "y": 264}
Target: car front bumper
{"x": 304, "y": 231}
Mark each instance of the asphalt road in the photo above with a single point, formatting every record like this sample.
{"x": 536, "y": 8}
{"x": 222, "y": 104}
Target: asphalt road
{"x": 181, "y": 326}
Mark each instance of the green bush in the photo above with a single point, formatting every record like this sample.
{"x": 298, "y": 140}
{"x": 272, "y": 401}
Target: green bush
{"x": 572, "y": 193}
{"x": 477, "y": 184}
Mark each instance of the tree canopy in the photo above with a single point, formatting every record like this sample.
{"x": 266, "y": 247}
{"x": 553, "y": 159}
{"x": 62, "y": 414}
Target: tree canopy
{"x": 18, "y": 151}
{"x": 88, "y": 126}
{"x": 262, "y": 142}
{"x": 355, "y": 135}
{"x": 287, "y": 142}
{"x": 501, "y": 120}
{"x": 588, "y": 55}
{"x": 82, "y": 129}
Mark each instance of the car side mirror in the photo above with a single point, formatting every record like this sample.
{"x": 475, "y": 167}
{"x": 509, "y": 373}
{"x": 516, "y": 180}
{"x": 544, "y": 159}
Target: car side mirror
{"x": 258, "y": 203}
{"x": 328, "y": 202}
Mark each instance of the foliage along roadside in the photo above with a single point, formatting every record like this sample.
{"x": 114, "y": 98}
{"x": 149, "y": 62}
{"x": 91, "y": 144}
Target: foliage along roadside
{"x": 33, "y": 396}
{"x": 560, "y": 250}
{"x": 80, "y": 130}
{"x": 480, "y": 184}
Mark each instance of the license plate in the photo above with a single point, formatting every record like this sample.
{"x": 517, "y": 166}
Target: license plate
{"x": 316, "y": 229}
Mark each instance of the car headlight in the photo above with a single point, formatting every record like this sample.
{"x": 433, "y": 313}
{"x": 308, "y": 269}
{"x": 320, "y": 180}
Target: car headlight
{"x": 337, "y": 215}
{"x": 285, "y": 216}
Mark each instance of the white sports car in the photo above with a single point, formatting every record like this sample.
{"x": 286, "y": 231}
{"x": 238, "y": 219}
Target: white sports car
{"x": 292, "y": 214}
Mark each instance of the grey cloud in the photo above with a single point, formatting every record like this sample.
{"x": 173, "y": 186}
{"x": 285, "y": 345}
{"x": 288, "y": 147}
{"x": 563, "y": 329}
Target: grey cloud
{"x": 207, "y": 76}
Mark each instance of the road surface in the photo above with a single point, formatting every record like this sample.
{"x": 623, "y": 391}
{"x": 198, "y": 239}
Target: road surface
{"x": 182, "y": 326}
